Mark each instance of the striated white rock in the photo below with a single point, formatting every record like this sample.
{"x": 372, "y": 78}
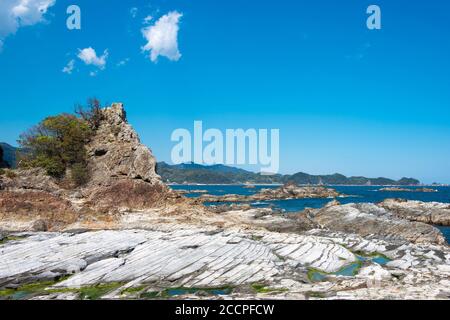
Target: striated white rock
{"x": 374, "y": 272}
{"x": 368, "y": 219}
{"x": 187, "y": 256}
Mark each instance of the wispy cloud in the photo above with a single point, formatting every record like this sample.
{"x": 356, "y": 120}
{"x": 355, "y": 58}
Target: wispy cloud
{"x": 162, "y": 37}
{"x": 20, "y": 13}
{"x": 69, "y": 67}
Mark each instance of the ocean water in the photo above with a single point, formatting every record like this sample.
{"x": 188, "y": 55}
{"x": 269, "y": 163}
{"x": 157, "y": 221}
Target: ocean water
{"x": 355, "y": 194}
{"x": 446, "y": 232}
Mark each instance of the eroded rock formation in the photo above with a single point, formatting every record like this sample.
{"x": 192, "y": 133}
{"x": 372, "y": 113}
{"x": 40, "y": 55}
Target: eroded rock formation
{"x": 428, "y": 212}
{"x": 122, "y": 177}
{"x": 116, "y": 152}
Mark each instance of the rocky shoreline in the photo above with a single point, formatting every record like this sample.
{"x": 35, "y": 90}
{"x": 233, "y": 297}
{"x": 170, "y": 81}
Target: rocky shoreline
{"x": 337, "y": 252}
{"x": 398, "y": 189}
{"x": 126, "y": 235}
{"x": 198, "y": 262}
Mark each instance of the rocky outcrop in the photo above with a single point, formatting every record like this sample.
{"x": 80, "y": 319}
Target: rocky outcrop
{"x": 397, "y": 189}
{"x": 370, "y": 220}
{"x": 285, "y": 192}
{"x": 122, "y": 178}
{"x": 427, "y": 212}
{"x": 116, "y": 152}
{"x": 122, "y": 169}
{"x": 293, "y": 191}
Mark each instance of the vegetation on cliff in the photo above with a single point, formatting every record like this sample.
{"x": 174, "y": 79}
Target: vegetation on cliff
{"x": 57, "y": 143}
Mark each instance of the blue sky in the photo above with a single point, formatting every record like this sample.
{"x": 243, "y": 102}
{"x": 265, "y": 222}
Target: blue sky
{"x": 346, "y": 99}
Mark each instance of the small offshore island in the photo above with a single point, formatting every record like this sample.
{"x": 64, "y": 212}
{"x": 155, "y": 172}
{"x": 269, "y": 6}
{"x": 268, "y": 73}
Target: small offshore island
{"x": 120, "y": 232}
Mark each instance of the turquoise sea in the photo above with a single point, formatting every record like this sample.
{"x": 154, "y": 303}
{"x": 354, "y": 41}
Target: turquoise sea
{"x": 356, "y": 194}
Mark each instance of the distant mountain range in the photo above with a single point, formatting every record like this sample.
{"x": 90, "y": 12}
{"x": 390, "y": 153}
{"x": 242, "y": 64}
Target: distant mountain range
{"x": 191, "y": 173}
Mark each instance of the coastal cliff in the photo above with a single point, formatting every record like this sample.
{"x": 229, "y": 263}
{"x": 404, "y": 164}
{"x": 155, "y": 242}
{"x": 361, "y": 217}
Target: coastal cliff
{"x": 122, "y": 177}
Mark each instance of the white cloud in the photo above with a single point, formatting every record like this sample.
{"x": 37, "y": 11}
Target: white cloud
{"x": 20, "y": 13}
{"x": 162, "y": 37}
{"x": 89, "y": 57}
{"x": 133, "y": 12}
{"x": 69, "y": 67}
{"x": 93, "y": 73}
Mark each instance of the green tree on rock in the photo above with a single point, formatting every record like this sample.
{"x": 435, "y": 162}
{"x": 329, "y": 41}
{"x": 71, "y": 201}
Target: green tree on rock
{"x": 57, "y": 144}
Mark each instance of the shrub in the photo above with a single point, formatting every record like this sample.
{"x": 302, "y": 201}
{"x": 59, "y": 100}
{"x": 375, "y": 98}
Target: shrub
{"x": 57, "y": 144}
{"x": 2, "y": 172}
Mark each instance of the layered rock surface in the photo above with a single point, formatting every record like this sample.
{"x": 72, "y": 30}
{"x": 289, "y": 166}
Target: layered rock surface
{"x": 140, "y": 264}
{"x": 367, "y": 219}
{"x": 428, "y": 212}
